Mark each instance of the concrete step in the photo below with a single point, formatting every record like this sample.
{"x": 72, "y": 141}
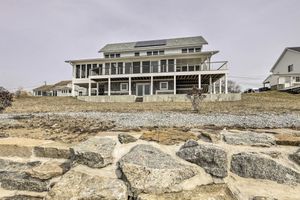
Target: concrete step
{"x": 26, "y": 148}
{"x": 21, "y": 195}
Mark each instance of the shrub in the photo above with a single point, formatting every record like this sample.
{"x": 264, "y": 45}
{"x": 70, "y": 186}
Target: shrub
{"x": 196, "y": 96}
{"x": 6, "y": 99}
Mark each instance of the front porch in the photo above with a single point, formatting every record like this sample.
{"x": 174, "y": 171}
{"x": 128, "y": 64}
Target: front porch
{"x": 155, "y": 85}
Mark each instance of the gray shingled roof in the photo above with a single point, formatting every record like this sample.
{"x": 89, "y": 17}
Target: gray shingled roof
{"x": 174, "y": 42}
{"x": 294, "y": 48}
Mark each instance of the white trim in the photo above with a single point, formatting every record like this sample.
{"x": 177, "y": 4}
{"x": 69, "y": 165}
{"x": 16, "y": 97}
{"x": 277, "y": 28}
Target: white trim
{"x": 121, "y": 88}
{"x": 160, "y": 83}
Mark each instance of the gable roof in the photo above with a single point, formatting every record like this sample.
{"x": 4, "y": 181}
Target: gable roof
{"x": 46, "y": 88}
{"x": 43, "y": 88}
{"x": 297, "y": 49}
{"x": 165, "y": 43}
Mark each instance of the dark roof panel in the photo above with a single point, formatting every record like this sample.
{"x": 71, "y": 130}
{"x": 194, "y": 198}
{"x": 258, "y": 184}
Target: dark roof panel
{"x": 150, "y": 43}
{"x": 294, "y": 48}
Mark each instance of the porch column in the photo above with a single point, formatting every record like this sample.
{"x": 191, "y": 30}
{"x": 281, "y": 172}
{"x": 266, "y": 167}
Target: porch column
{"x": 90, "y": 88}
{"x": 80, "y": 71}
{"x": 226, "y": 84}
{"x": 210, "y": 84}
{"x": 199, "y": 81}
{"x": 151, "y": 86}
{"x": 97, "y": 88}
{"x": 73, "y": 89}
{"x": 129, "y": 86}
{"x": 174, "y": 85}
{"x": 214, "y": 87}
{"x": 108, "y": 91}
{"x": 220, "y": 86}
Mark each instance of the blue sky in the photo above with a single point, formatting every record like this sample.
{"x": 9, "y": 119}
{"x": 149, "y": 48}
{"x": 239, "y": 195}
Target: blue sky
{"x": 37, "y": 36}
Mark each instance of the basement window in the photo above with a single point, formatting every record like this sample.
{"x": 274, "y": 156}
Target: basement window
{"x": 124, "y": 86}
{"x": 163, "y": 85}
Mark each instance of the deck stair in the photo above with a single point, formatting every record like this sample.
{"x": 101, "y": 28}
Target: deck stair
{"x": 139, "y": 99}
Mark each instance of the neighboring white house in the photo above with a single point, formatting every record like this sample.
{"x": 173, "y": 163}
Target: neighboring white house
{"x": 62, "y": 88}
{"x": 286, "y": 71}
{"x": 150, "y": 69}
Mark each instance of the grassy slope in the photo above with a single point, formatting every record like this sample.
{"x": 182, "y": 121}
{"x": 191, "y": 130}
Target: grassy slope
{"x": 273, "y": 102}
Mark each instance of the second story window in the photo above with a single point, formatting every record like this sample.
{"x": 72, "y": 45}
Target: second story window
{"x": 155, "y": 53}
{"x": 290, "y": 68}
{"x": 184, "y": 50}
{"x": 191, "y": 50}
{"x": 137, "y": 54}
{"x": 118, "y": 55}
{"x": 106, "y": 56}
{"x": 161, "y": 52}
{"x": 149, "y": 53}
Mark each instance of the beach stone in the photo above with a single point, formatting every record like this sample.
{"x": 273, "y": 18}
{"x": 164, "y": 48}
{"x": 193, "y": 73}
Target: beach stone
{"x": 211, "y": 158}
{"x": 149, "y": 170}
{"x": 253, "y": 165}
{"x": 79, "y": 185}
{"x": 249, "y": 138}
{"x": 125, "y": 138}
{"x": 95, "y": 152}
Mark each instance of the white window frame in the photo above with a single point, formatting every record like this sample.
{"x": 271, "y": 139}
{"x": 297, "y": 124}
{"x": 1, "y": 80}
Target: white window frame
{"x": 297, "y": 77}
{"x": 121, "y": 87}
{"x": 167, "y": 85}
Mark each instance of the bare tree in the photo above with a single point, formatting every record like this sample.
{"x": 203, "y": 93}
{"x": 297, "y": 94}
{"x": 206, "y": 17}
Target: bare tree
{"x": 196, "y": 96}
{"x": 232, "y": 86}
{"x": 6, "y": 98}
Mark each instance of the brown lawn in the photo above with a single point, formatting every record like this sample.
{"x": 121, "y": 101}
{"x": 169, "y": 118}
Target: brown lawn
{"x": 271, "y": 102}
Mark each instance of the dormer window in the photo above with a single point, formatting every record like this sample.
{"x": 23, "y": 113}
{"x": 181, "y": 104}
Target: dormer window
{"x": 290, "y": 68}
{"x": 191, "y": 50}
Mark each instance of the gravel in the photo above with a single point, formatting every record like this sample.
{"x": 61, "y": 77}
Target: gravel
{"x": 176, "y": 119}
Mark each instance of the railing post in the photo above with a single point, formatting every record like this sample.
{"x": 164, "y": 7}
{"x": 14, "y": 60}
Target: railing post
{"x": 174, "y": 85}
{"x": 199, "y": 81}
{"x": 220, "y": 86}
{"x": 129, "y": 86}
{"x": 210, "y": 84}
{"x": 90, "y": 87}
{"x": 151, "y": 86}
{"x": 226, "y": 84}
{"x": 108, "y": 92}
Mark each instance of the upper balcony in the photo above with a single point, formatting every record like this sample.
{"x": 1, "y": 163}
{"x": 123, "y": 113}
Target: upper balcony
{"x": 156, "y": 69}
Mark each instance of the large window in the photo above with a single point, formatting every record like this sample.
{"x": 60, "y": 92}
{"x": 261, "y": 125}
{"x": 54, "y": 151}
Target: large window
{"x": 146, "y": 66}
{"x": 127, "y": 68}
{"x": 136, "y": 67}
{"x": 120, "y": 68}
{"x": 113, "y": 68}
{"x": 77, "y": 71}
{"x": 89, "y": 67}
{"x": 171, "y": 65}
{"x": 137, "y": 54}
{"x": 83, "y": 71}
{"x": 154, "y": 65}
{"x": 297, "y": 79}
{"x": 106, "y": 68}
{"x": 163, "y": 66}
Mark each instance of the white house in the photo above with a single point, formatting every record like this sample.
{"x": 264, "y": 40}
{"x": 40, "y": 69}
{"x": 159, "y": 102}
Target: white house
{"x": 286, "y": 71}
{"x": 62, "y": 88}
{"x": 149, "y": 70}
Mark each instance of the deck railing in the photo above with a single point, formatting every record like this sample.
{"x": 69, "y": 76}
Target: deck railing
{"x": 156, "y": 68}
